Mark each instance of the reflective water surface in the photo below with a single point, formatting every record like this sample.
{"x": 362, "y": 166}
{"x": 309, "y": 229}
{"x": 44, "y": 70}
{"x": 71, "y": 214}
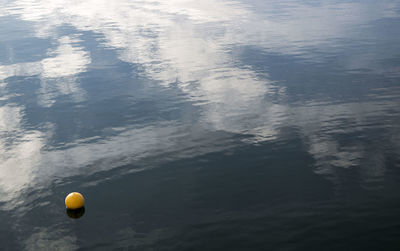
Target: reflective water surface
{"x": 200, "y": 125}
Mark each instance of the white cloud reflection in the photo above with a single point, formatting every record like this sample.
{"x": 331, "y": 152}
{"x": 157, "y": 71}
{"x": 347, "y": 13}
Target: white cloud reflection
{"x": 51, "y": 239}
{"x": 66, "y": 60}
{"x": 19, "y": 154}
{"x": 172, "y": 42}
{"x": 321, "y": 125}
{"x": 28, "y": 162}
{"x": 57, "y": 72}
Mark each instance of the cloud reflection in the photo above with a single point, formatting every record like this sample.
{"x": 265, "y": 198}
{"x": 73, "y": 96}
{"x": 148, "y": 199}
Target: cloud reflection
{"x": 50, "y": 239}
{"x": 160, "y": 36}
{"x": 57, "y": 73}
{"x": 29, "y": 162}
{"x": 335, "y": 136}
{"x": 172, "y": 42}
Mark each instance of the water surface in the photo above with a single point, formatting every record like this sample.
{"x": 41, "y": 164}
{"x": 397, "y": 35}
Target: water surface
{"x": 200, "y": 125}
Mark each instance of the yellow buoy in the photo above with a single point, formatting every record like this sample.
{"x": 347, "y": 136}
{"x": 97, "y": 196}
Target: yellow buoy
{"x": 74, "y": 200}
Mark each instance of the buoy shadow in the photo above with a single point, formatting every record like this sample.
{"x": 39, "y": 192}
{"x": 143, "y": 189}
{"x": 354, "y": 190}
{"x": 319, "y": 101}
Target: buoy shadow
{"x": 75, "y": 213}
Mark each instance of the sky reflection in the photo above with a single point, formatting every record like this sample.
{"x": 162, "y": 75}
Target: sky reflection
{"x": 54, "y": 239}
{"x": 193, "y": 46}
{"x": 56, "y": 73}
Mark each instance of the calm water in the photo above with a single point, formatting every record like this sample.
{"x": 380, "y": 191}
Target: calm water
{"x": 200, "y": 125}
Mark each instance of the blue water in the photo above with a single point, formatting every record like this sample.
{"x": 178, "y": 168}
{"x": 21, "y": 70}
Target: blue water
{"x": 200, "y": 125}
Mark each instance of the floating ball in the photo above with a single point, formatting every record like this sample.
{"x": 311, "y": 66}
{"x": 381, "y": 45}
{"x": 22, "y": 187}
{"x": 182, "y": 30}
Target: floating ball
{"x": 74, "y": 200}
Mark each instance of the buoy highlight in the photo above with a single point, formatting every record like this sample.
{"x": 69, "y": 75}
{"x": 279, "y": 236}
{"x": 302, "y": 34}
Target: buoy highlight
{"x": 74, "y": 200}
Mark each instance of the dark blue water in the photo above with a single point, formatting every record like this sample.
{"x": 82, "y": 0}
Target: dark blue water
{"x": 200, "y": 125}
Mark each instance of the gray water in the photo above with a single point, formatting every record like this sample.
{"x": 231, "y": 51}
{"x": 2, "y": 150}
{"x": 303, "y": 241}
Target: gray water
{"x": 200, "y": 125}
